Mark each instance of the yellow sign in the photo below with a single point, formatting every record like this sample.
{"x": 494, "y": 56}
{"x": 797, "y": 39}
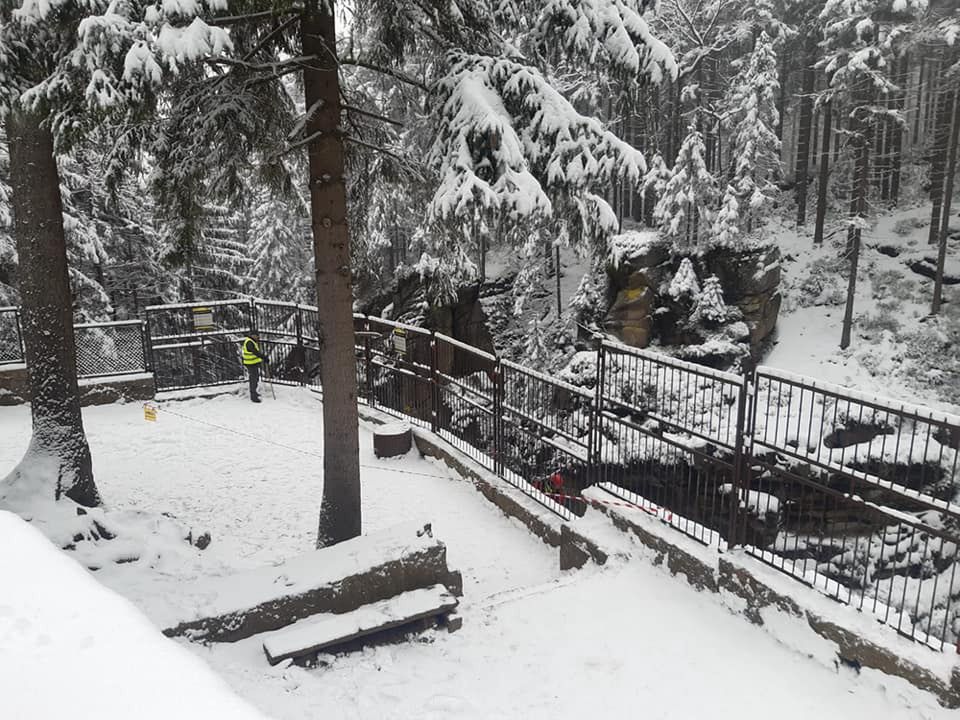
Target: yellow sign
{"x": 149, "y": 412}
{"x": 400, "y": 340}
{"x": 202, "y": 319}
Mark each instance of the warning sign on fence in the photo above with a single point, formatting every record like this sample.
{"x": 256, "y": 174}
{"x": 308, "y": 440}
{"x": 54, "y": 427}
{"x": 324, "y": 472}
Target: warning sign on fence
{"x": 400, "y": 341}
{"x": 202, "y": 319}
{"x": 149, "y": 412}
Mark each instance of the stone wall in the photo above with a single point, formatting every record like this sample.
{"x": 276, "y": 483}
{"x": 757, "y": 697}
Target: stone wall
{"x": 15, "y": 388}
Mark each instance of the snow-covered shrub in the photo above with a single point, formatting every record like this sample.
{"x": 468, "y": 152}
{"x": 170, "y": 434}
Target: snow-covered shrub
{"x": 684, "y": 284}
{"x": 589, "y": 302}
{"x": 710, "y": 306}
{"x": 907, "y": 226}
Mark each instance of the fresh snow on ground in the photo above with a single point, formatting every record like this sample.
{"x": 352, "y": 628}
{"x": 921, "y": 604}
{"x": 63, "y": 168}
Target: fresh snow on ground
{"x": 624, "y": 640}
{"x": 896, "y": 350}
{"x": 71, "y": 648}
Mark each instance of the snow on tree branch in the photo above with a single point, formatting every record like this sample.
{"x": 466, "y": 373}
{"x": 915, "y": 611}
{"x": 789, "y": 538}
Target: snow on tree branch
{"x": 610, "y": 33}
{"x": 509, "y": 141}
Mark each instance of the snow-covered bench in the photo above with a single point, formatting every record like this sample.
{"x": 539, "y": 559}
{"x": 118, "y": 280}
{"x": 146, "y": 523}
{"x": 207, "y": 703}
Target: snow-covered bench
{"x": 338, "y": 579}
{"x": 410, "y": 611}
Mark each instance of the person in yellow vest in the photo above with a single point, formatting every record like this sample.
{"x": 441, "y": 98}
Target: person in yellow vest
{"x": 253, "y": 357}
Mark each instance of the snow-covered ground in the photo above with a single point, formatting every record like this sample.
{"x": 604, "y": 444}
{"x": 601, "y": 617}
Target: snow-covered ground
{"x": 897, "y": 350}
{"x": 624, "y": 640}
{"x": 70, "y": 648}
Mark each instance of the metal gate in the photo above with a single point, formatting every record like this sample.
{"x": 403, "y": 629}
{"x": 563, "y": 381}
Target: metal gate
{"x": 198, "y": 344}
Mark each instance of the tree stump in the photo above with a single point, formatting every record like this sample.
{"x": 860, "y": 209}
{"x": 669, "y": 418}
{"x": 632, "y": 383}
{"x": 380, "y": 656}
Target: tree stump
{"x": 392, "y": 440}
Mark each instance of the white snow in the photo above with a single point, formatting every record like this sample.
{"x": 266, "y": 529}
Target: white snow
{"x": 71, "y": 648}
{"x": 326, "y": 628}
{"x": 622, "y": 641}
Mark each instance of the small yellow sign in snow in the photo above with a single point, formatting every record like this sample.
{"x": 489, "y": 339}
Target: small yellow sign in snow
{"x": 149, "y": 412}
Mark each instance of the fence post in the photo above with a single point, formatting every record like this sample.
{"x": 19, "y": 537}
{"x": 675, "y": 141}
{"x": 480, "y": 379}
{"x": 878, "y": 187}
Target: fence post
{"x": 367, "y": 360}
{"x": 593, "y": 429}
{"x": 434, "y": 383}
{"x": 741, "y": 465}
{"x": 301, "y": 350}
{"x": 16, "y": 321}
{"x": 148, "y": 345}
{"x": 498, "y": 418}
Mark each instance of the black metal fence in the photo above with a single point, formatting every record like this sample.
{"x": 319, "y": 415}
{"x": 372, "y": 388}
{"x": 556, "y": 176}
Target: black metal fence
{"x": 11, "y": 344}
{"x": 853, "y": 495}
{"x": 197, "y": 345}
{"x": 111, "y": 348}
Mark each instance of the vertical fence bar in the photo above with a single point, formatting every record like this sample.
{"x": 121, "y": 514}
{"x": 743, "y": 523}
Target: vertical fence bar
{"x": 16, "y": 321}
{"x": 145, "y": 344}
{"x": 740, "y": 468}
{"x": 594, "y": 455}
{"x": 498, "y": 390}
{"x": 148, "y": 340}
{"x": 368, "y": 362}
{"x": 301, "y": 350}
{"x": 434, "y": 384}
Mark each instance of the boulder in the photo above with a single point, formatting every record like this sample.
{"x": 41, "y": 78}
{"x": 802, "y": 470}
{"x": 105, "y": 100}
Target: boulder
{"x": 641, "y": 312}
{"x": 630, "y": 317}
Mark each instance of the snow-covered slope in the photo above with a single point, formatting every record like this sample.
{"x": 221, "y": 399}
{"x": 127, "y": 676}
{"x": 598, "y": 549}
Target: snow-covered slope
{"x": 623, "y": 641}
{"x": 897, "y": 350}
{"x": 70, "y": 648}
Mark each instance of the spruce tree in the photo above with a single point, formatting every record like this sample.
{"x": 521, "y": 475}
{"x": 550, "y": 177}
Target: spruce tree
{"x": 684, "y": 211}
{"x": 752, "y": 117}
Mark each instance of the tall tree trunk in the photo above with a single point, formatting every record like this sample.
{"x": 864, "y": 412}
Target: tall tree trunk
{"x": 918, "y": 118}
{"x": 824, "y": 174}
{"x": 896, "y": 151}
{"x": 938, "y": 158}
{"x": 58, "y": 460}
{"x": 947, "y": 201}
{"x": 340, "y": 509}
{"x": 784, "y": 77}
{"x": 858, "y": 207}
{"x": 802, "y": 164}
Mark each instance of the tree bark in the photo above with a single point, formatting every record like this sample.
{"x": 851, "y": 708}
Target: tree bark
{"x": 58, "y": 460}
{"x": 858, "y": 207}
{"x": 947, "y": 201}
{"x": 802, "y": 164}
{"x": 938, "y": 157}
{"x": 340, "y": 516}
{"x": 896, "y": 151}
{"x": 824, "y": 173}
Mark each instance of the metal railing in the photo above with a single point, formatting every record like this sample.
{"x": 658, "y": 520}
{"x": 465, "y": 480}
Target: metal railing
{"x": 850, "y": 494}
{"x": 110, "y": 348}
{"x": 11, "y": 343}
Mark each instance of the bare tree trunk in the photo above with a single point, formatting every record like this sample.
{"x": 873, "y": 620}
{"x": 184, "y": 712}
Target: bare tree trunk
{"x": 938, "y": 157}
{"x": 784, "y": 77}
{"x": 340, "y": 510}
{"x": 58, "y": 459}
{"x": 896, "y": 151}
{"x": 947, "y": 201}
{"x": 858, "y": 207}
{"x": 918, "y": 118}
{"x": 802, "y": 164}
{"x": 824, "y": 174}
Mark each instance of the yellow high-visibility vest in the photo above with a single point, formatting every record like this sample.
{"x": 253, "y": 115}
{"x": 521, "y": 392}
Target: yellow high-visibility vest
{"x": 248, "y": 357}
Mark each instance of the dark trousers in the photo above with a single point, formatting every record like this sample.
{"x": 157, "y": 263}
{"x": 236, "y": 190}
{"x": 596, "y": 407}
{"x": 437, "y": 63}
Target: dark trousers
{"x": 253, "y": 374}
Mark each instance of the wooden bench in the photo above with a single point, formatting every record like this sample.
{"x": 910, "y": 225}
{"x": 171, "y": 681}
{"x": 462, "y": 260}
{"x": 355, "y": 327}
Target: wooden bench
{"x": 406, "y": 611}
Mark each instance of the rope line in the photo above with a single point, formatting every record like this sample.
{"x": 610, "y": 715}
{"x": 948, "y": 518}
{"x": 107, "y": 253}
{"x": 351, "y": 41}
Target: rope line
{"x": 293, "y": 448}
{"x": 267, "y": 441}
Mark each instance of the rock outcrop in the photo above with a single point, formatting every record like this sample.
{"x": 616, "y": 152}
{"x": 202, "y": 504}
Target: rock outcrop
{"x": 642, "y": 312}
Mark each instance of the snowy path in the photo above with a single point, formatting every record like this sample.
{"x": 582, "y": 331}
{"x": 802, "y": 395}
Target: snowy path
{"x": 622, "y": 641}
{"x": 260, "y": 501}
